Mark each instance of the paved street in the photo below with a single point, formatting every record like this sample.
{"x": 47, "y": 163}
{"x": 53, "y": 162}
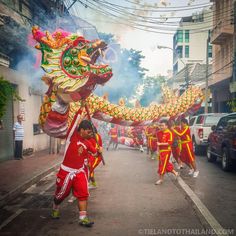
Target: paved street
{"x": 127, "y": 202}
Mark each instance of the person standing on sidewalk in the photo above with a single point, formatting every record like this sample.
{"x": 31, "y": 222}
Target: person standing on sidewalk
{"x": 73, "y": 173}
{"x": 187, "y": 155}
{"x": 165, "y": 140}
{"x": 18, "y": 133}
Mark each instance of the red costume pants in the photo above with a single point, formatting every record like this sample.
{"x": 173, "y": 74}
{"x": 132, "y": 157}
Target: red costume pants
{"x": 176, "y": 152}
{"x": 187, "y": 155}
{"x": 72, "y": 179}
{"x": 164, "y": 164}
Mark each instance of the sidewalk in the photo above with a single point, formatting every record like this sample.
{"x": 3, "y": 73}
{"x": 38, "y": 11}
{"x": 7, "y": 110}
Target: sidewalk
{"x": 17, "y": 175}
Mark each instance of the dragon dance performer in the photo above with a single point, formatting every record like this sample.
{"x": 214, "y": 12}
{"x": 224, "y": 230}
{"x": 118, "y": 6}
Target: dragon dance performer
{"x": 94, "y": 161}
{"x": 176, "y": 145}
{"x": 73, "y": 173}
{"x": 148, "y": 133}
{"x": 153, "y": 141}
{"x": 113, "y": 137}
{"x": 165, "y": 140}
{"x": 187, "y": 156}
{"x": 137, "y": 134}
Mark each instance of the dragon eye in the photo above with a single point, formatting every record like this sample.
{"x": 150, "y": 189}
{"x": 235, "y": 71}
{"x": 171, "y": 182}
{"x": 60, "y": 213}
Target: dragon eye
{"x": 74, "y": 51}
{"x": 67, "y": 61}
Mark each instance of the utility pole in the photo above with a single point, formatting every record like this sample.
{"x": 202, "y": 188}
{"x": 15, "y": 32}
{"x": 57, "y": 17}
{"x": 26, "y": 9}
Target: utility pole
{"x": 207, "y": 74}
{"x": 186, "y": 76}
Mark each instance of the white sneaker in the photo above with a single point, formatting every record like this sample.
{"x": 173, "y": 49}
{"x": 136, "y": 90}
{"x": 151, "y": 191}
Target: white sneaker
{"x": 195, "y": 174}
{"x": 72, "y": 199}
{"x": 159, "y": 182}
{"x": 191, "y": 172}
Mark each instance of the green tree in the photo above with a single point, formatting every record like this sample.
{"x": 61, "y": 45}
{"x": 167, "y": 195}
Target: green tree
{"x": 151, "y": 89}
{"x": 7, "y": 93}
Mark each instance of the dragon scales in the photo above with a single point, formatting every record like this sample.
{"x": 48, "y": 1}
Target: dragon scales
{"x": 71, "y": 76}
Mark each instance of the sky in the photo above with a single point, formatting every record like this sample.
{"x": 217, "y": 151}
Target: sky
{"x": 157, "y": 61}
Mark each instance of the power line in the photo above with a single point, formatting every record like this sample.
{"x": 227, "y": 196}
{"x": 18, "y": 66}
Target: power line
{"x": 141, "y": 5}
{"x": 137, "y": 26}
{"x": 146, "y": 17}
{"x": 152, "y": 10}
{"x": 153, "y": 22}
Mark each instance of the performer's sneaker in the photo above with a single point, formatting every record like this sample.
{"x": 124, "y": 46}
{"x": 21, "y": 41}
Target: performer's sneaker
{"x": 191, "y": 172}
{"x": 159, "y": 182}
{"x": 195, "y": 174}
{"x": 86, "y": 222}
{"x": 72, "y": 199}
{"x": 55, "y": 214}
{"x": 92, "y": 185}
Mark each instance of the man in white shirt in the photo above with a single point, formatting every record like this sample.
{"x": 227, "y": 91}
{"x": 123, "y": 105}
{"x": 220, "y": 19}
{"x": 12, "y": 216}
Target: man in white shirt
{"x": 18, "y": 136}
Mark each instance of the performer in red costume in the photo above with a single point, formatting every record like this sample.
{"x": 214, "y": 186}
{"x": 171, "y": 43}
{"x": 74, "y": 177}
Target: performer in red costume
{"x": 153, "y": 141}
{"x": 94, "y": 161}
{"x": 176, "y": 145}
{"x": 113, "y": 137}
{"x": 165, "y": 140}
{"x": 187, "y": 156}
{"x": 73, "y": 173}
{"x": 148, "y": 133}
{"x": 137, "y": 134}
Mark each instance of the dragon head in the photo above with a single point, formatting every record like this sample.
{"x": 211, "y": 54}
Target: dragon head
{"x": 70, "y": 61}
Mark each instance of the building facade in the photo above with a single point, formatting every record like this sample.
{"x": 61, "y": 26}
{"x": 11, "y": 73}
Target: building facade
{"x": 223, "y": 39}
{"x": 190, "y": 40}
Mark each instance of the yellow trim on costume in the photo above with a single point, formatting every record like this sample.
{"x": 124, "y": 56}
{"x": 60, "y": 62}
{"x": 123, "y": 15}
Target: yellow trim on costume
{"x": 185, "y": 141}
{"x": 164, "y": 164}
{"x": 165, "y": 150}
{"x": 181, "y": 134}
{"x": 190, "y": 153}
{"x": 96, "y": 160}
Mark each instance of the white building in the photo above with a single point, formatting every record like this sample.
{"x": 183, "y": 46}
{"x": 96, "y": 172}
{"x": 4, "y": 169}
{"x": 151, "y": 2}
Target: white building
{"x": 190, "y": 40}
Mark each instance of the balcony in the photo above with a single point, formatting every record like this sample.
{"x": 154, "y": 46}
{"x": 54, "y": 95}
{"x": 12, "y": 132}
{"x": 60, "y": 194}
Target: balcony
{"x": 222, "y": 31}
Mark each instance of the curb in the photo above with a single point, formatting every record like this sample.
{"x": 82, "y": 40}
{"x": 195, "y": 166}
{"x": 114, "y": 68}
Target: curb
{"x": 9, "y": 196}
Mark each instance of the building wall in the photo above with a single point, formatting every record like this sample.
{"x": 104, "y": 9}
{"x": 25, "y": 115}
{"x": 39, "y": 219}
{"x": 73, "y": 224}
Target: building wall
{"x": 30, "y": 109}
{"x": 223, "y": 40}
{"x": 197, "y": 41}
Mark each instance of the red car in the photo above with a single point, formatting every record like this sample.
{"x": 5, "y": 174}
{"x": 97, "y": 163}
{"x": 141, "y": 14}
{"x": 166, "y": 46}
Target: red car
{"x": 222, "y": 142}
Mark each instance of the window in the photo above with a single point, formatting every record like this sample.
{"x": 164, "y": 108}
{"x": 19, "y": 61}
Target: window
{"x": 200, "y": 120}
{"x": 179, "y": 36}
{"x": 222, "y": 123}
{"x": 231, "y": 125}
{"x": 209, "y": 50}
{"x": 180, "y": 51}
{"x": 212, "y": 120}
{"x": 186, "y": 51}
{"x": 186, "y": 36}
{"x": 192, "y": 121}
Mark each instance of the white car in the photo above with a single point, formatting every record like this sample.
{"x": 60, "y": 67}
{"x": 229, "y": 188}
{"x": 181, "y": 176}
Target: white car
{"x": 200, "y": 128}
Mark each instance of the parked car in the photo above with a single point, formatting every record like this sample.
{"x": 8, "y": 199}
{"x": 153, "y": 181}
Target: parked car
{"x": 200, "y": 128}
{"x": 222, "y": 141}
